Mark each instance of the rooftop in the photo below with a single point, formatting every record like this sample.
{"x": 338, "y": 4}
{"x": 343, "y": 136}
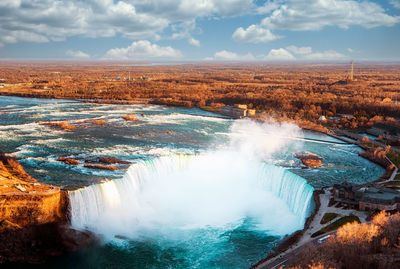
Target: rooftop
{"x": 379, "y": 193}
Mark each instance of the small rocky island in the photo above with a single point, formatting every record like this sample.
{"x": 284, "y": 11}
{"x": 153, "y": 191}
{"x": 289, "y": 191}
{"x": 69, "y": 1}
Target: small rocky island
{"x": 103, "y": 163}
{"x": 309, "y": 159}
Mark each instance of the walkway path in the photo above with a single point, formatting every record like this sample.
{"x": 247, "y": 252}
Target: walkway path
{"x": 288, "y": 256}
{"x": 359, "y": 137}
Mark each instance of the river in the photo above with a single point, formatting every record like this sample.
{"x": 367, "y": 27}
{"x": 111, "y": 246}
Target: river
{"x": 201, "y": 192}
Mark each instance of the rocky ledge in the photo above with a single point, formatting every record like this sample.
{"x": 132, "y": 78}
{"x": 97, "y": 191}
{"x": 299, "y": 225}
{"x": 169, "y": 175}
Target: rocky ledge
{"x": 91, "y": 162}
{"x": 33, "y": 217}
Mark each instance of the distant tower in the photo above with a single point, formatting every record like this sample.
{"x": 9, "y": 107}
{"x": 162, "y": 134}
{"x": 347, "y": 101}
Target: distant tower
{"x": 352, "y": 70}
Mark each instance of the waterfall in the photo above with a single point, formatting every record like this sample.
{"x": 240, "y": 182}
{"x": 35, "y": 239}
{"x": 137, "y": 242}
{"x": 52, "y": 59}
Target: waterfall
{"x": 88, "y": 203}
{"x": 291, "y": 188}
{"x": 215, "y": 189}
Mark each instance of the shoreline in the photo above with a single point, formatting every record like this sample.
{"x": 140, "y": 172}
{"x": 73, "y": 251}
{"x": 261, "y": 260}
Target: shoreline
{"x": 297, "y": 235}
{"x": 34, "y": 218}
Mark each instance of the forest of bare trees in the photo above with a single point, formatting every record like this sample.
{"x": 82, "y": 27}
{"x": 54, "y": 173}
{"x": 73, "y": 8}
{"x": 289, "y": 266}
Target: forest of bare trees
{"x": 297, "y": 91}
{"x": 358, "y": 245}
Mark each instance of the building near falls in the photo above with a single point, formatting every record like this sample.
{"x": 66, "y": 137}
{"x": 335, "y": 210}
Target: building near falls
{"x": 366, "y": 197}
{"x": 237, "y": 111}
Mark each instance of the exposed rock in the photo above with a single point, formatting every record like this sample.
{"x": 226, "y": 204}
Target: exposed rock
{"x": 130, "y": 117}
{"x": 19, "y": 187}
{"x": 71, "y": 161}
{"x": 65, "y": 125}
{"x": 36, "y": 243}
{"x": 14, "y": 168}
{"x": 100, "y": 166}
{"x": 34, "y": 219}
{"x": 310, "y": 160}
{"x": 8, "y": 225}
{"x": 66, "y": 160}
{"x": 99, "y": 122}
{"x": 106, "y": 160}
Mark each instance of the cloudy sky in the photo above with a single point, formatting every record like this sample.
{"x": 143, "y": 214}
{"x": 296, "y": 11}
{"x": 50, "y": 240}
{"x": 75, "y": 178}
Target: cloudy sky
{"x": 180, "y": 30}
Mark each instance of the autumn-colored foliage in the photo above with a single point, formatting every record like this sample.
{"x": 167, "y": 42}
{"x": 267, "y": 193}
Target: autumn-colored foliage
{"x": 358, "y": 245}
{"x": 14, "y": 167}
{"x": 298, "y": 92}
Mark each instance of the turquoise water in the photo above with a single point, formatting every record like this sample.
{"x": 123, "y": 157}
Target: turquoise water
{"x": 241, "y": 239}
{"x": 371, "y": 137}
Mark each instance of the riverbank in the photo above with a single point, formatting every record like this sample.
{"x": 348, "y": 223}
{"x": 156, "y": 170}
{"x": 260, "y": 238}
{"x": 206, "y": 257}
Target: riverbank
{"x": 284, "y": 251}
{"x": 304, "y": 124}
{"x": 371, "y": 154}
{"x": 34, "y": 217}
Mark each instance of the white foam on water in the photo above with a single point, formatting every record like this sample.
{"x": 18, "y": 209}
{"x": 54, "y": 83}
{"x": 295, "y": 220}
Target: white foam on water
{"x": 177, "y": 118}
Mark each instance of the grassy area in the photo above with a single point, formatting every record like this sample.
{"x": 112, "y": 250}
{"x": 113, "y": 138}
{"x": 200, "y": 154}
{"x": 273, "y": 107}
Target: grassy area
{"x": 334, "y": 226}
{"x": 394, "y": 157}
{"x": 328, "y": 217}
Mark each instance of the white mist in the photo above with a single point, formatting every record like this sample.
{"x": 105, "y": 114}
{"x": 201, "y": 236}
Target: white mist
{"x": 221, "y": 189}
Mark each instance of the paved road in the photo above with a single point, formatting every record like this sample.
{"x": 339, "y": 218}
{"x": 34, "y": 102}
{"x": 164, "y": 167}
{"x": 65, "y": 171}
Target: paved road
{"x": 288, "y": 257}
{"x": 285, "y": 260}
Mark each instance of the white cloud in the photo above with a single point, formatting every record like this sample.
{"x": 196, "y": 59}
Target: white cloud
{"x": 77, "y": 54}
{"x": 142, "y": 49}
{"x": 325, "y": 55}
{"x": 303, "y": 53}
{"x": 279, "y": 55}
{"x": 194, "y": 42}
{"x": 268, "y": 7}
{"x": 44, "y": 20}
{"x": 395, "y": 3}
{"x": 351, "y": 50}
{"x": 299, "y": 50}
{"x": 225, "y": 55}
{"x": 20, "y": 36}
{"x": 308, "y": 15}
{"x": 254, "y": 34}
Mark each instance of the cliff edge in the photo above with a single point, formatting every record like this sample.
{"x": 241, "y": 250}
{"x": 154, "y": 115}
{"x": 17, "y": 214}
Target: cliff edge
{"x": 24, "y": 201}
{"x": 33, "y": 217}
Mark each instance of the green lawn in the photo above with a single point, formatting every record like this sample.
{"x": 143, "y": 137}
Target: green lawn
{"x": 335, "y": 225}
{"x": 394, "y": 157}
{"x": 328, "y": 217}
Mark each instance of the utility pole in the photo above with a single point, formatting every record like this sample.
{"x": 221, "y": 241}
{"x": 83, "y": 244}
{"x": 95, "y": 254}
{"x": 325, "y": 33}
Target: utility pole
{"x": 352, "y": 70}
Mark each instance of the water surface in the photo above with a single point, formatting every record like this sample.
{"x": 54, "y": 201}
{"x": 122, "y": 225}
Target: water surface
{"x": 163, "y": 132}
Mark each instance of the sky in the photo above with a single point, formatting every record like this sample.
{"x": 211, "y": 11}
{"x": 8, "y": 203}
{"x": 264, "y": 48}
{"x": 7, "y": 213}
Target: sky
{"x": 200, "y": 30}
